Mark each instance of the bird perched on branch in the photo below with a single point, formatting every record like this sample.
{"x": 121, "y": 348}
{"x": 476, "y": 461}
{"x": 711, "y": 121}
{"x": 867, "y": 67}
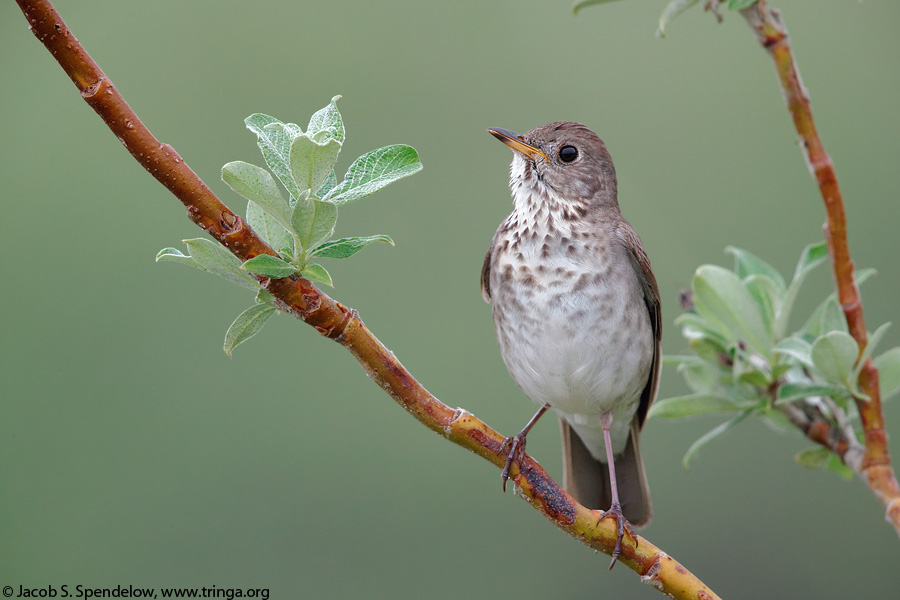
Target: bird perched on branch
{"x": 577, "y": 313}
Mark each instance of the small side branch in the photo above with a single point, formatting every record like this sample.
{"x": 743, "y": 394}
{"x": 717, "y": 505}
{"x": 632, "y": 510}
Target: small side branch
{"x": 875, "y": 467}
{"x": 832, "y": 433}
{"x": 300, "y": 298}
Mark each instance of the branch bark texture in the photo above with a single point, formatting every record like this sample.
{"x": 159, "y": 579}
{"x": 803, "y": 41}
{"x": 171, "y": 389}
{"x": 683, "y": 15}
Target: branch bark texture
{"x": 875, "y": 467}
{"x": 299, "y": 297}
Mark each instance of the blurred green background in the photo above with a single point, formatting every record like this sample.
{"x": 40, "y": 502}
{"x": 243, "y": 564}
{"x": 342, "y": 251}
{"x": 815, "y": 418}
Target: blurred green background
{"x": 133, "y": 451}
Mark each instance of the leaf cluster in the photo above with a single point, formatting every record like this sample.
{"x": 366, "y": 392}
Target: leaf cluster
{"x": 299, "y": 226}
{"x": 745, "y": 361}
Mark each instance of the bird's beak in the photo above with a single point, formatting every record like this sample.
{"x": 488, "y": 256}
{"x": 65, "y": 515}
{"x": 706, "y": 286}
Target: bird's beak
{"x": 514, "y": 141}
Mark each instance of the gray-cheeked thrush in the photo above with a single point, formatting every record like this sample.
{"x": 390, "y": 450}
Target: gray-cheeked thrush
{"x": 576, "y": 307}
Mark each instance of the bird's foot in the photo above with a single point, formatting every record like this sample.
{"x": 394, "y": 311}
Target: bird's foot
{"x": 622, "y": 527}
{"x": 514, "y": 447}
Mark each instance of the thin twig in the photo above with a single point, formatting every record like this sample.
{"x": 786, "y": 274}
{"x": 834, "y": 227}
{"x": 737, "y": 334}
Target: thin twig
{"x": 875, "y": 468}
{"x": 827, "y": 432}
{"x": 855, "y": 451}
{"x": 300, "y": 298}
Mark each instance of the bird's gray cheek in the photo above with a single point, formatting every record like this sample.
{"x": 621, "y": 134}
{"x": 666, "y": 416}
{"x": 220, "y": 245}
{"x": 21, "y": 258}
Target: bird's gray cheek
{"x": 582, "y": 188}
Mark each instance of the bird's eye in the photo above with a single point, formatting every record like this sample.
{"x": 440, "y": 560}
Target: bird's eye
{"x": 568, "y": 153}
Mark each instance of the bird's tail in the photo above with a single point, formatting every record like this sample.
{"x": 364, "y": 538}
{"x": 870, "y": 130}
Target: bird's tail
{"x": 587, "y": 479}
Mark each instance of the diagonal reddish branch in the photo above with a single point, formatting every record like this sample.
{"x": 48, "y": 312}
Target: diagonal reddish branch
{"x": 875, "y": 467}
{"x": 300, "y": 298}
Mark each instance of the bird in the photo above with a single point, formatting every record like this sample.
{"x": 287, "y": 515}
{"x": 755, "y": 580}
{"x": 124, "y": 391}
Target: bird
{"x": 576, "y": 309}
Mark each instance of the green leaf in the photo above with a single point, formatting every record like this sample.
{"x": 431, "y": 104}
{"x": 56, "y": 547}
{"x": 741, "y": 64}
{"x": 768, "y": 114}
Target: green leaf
{"x": 585, "y": 3}
{"x": 256, "y": 184}
{"x": 723, "y": 300}
{"x": 269, "y": 228}
{"x": 871, "y": 344}
{"x": 327, "y": 185}
{"x": 791, "y": 392}
{"x": 708, "y": 348}
{"x": 889, "y": 372}
{"x": 675, "y": 360}
{"x": 693, "y": 404}
{"x": 246, "y": 325}
{"x": 796, "y": 348}
{"x": 834, "y": 355}
{"x": 749, "y": 368}
{"x": 174, "y": 255}
{"x": 813, "y": 325}
{"x": 768, "y": 299}
{"x": 779, "y": 370}
{"x": 833, "y": 318}
{"x": 312, "y": 161}
{"x": 818, "y": 457}
{"x": 274, "y": 140}
{"x": 812, "y": 256}
{"x": 740, "y": 4}
{"x": 347, "y": 247}
{"x": 216, "y": 259}
{"x": 836, "y": 465}
{"x": 705, "y": 342}
{"x": 711, "y": 435}
{"x": 374, "y": 170}
{"x": 328, "y": 120}
{"x": 694, "y": 326}
{"x": 813, "y": 458}
{"x": 269, "y": 266}
{"x": 778, "y": 421}
{"x": 701, "y": 376}
{"x": 746, "y": 264}
{"x": 672, "y": 10}
{"x": 264, "y": 297}
{"x": 314, "y": 221}
{"x": 755, "y": 378}
{"x": 317, "y": 273}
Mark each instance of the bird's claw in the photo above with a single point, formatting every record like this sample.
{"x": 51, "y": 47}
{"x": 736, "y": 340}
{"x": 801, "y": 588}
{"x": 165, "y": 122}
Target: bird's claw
{"x": 622, "y": 527}
{"x": 514, "y": 447}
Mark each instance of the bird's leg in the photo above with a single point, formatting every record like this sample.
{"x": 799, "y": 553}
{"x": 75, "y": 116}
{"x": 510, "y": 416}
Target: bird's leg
{"x": 515, "y": 446}
{"x": 615, "y": 511}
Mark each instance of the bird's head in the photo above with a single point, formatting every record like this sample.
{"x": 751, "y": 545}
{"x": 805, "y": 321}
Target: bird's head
{"x": 562, "y": 161}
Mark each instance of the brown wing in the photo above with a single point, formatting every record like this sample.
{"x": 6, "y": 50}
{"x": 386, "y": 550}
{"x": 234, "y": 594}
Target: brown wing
{"x": 486, "y": 276}
{"x": 641, "y": 264}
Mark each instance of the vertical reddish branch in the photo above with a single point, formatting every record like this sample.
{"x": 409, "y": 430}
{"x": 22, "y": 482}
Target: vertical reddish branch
{"x": 876, "y": 466}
